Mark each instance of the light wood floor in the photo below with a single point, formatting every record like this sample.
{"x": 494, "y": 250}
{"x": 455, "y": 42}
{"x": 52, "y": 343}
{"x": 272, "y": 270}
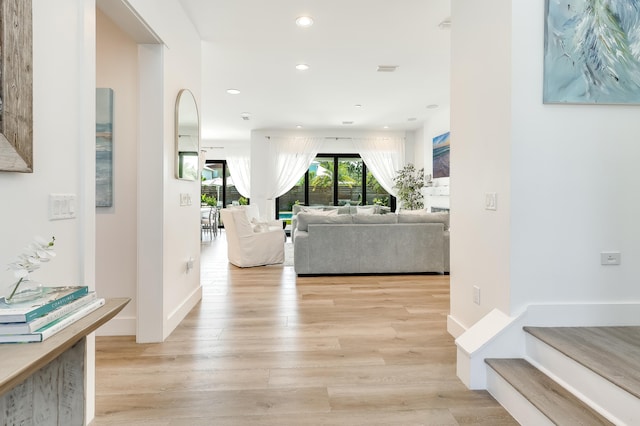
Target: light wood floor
{"x": 265, "y": 347}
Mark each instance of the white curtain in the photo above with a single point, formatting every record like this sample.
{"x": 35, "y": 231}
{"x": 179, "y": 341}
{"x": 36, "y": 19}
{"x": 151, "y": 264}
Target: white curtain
{"x": 383, "y": 157}
{"x": 240, "y": 171}
{"x": 292, "y": 157}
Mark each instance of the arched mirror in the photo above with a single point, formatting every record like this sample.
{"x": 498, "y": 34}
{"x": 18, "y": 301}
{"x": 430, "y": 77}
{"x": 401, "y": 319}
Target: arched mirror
{"x": 187, "y": 136}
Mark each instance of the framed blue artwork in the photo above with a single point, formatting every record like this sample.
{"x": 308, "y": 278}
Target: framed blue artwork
{"x": 592, "y": 52}
{"x": 104, "y": 147}
{"x": 441, "y": 145}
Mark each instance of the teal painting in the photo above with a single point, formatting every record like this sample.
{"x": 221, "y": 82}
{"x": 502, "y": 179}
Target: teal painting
{"x": 441, "y": 148}
{"x": 592, "y": 52}
{"x": 104, "y": 147}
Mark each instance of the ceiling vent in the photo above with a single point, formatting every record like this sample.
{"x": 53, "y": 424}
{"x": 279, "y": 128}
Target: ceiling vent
{"x": 347, "y": 122}
{"x": 245, "y": 116}
{"x": 387, "y": 68}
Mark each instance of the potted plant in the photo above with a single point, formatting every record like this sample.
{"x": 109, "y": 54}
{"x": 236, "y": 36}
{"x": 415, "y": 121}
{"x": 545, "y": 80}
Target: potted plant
{"x": 409, "y": 183}
{"x": 208, "y": 200}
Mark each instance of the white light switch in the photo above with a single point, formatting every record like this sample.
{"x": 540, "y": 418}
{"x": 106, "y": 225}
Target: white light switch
{"x": 62, "y": 206}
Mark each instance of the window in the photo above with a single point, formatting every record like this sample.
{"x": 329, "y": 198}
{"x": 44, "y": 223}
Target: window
{"x": 218, "y": 182}
{"x": 335, "y": 180}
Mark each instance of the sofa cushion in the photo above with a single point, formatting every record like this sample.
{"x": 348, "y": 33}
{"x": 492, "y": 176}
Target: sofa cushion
{"x": 375, "y": 218}
{"x": 424, "y": 217}
{"x": 362, "y": 210}
{"x": 304, "y": 219}
{"x": 298, "y": 208}
{"x": 321, "y": 212}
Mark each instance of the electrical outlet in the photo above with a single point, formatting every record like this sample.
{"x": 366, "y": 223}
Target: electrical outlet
{"x": 476, "y": 294}
{"x": 610, "y": 258}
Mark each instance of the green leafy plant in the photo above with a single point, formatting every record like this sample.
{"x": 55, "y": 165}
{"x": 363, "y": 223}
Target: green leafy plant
{"x": 243, "y": 201}
{"x": 409, "y": 182}
{"x": 209, "y": 200}
{"x": 381, "y": 201}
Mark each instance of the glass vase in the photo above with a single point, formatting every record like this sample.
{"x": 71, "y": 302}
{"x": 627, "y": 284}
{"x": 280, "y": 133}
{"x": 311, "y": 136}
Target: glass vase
{"x": 25, "y": 290}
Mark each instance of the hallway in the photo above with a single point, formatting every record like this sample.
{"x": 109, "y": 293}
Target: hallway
{"x": 265, "y": 347}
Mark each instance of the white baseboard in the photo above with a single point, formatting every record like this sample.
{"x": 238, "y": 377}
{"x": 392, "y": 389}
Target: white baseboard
{"x": 454, "y": 327}
{"x": 175, "y": 317}
{"x": 118, "y": 327}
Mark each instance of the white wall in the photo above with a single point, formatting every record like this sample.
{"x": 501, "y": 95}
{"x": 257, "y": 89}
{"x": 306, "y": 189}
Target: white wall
{"x": 64, "y": 155}
{"x": 574, "y": 183}
{"x": 116, "y": 226}
{"x": 164, "y": 285}
{"x": 480, "y": 158}
{"x": 564, "y": 175}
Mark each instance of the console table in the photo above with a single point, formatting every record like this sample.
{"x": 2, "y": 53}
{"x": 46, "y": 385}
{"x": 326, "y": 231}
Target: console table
{"x": 43, "y": 383}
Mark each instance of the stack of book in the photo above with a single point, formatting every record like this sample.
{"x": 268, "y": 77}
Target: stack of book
{"x": 40, "y": 319}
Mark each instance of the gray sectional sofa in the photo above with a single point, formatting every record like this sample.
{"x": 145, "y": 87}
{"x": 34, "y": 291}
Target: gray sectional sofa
{"x": 371, "y": 243}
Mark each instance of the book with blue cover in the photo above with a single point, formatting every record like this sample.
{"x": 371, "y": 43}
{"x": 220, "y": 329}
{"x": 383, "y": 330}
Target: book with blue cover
{"x": 54, "y": 326}
{"x": 36, "y": 324}
{"x": 52, "y": 298}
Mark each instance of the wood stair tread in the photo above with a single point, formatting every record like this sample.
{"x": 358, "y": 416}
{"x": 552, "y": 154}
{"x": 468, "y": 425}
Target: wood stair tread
{"x": 611, "y": 352}
{"x": 554, "y": 401}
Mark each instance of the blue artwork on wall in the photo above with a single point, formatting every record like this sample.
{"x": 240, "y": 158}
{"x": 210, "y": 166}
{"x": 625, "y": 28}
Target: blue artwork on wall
{"x": 592, "y": 52}
{"x": 104, "y": 147}
{"x": 441, "y": 144}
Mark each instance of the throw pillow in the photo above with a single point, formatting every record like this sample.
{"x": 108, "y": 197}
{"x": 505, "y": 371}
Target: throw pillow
{"x": 367, "y": 210}
{"x": 344, "y": 210}
{"x": 417, "y": 211}
{"x": 304, "y": 219}
{"x": 319, "y": 212}
{"x": 261, "y": 227}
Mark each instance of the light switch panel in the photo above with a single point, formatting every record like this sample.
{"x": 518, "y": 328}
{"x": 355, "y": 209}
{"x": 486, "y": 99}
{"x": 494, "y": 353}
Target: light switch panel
{"x": 62, "y": 206}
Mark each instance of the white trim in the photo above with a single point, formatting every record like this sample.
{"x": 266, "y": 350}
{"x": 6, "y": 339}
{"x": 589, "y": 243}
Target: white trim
{"x": 591, "y": 388}
{"x": 499, "y": 336}
{"x": 178, "y": 314}
{"x": 514, "y": 402}
{"x": 454, "y": 327}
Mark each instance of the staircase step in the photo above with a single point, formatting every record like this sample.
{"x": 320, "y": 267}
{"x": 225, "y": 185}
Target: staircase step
{"x": 611, "y": 352}
{"x": 554, "y": 401}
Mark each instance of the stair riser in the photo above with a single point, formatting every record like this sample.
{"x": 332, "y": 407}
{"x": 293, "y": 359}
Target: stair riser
{"x": 517, "y": 405}
{"x": 596, "y": 391}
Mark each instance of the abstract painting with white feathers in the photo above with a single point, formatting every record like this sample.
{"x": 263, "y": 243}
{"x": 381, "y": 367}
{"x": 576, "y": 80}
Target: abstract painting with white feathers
{"x": 592, "y": 52}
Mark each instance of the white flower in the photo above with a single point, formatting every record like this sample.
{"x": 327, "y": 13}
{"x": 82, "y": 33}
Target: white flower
{"x": 35, "y": 254}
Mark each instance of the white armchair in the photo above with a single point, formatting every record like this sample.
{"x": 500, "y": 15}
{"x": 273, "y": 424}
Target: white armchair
{"x": 247, "y": 247}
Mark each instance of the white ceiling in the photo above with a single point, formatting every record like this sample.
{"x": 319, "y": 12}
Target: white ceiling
{"x": 254, "y": 45}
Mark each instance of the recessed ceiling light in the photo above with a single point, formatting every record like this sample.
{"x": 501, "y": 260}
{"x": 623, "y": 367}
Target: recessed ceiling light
{"x": 385, "y": 127}
{"x": 347, "y": 122}
{"x": 233, "y": 91}
{"x": 412, "y": 119}
{"x": 432, "y": 106}
{"x": 302, "y": 67}
{"x": 304, "y": 21}
{"x": 298, "y": 127}
{"x": 245, "y": 116}
{"x": 358, "y": 105}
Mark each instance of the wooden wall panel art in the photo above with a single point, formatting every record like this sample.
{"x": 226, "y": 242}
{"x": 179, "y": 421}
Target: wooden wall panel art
{"x": 16, "y": 86}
